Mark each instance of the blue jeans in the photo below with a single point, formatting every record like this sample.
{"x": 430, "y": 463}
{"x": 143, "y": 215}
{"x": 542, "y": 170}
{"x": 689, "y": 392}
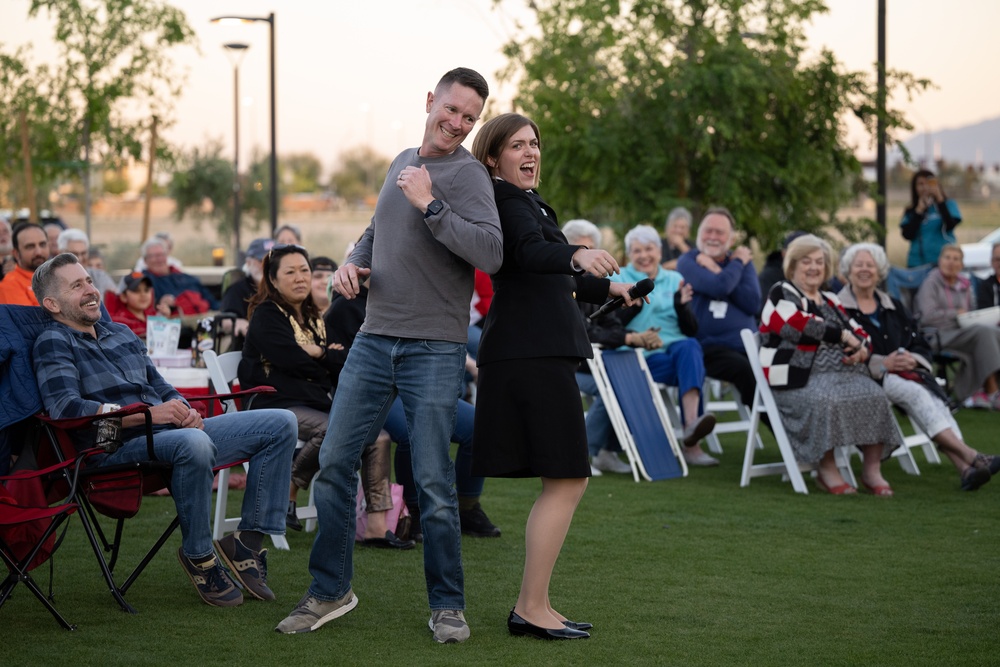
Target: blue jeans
{"x": 266, "y": 437}
{"x": 466, "y": 485}
{"x": 681, "y": 365}
{"x": 598, "y": 423}
{"x": 427, "y": 376}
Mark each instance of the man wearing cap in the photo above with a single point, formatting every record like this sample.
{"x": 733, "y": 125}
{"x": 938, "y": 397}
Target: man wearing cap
{"x": 726, "y": 297}
{"x": 31, "y": 249}
{"x": 236, "y": 297}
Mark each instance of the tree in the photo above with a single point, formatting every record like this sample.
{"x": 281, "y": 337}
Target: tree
{"x": 305, "y": 170}
{"x": 649, "y": 104}
{"x": 113, "y": 61}
{"x": 256, "y": 188}
{"x": 361, "y": 174}
{"x": 204, "y": 175}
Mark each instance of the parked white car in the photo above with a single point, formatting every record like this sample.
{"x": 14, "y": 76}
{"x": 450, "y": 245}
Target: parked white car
{"x": 977, "y": 255}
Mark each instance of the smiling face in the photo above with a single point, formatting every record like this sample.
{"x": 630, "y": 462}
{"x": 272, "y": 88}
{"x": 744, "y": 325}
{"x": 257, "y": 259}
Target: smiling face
{"x": 863, "y": 273}
{"x": 139, "y": 299}
{"x": 156, "y": 260}
{"x": 715, "y": 236}
{"x": 293, "y": 279}
{"x": 452, "y": 112}
{"x": 810, "y": 272}
{"x": 645, "y": 257}
{"x": 75, "y": 301}
{"x": 32, "y": 248}
{"x": 520, "y": 159}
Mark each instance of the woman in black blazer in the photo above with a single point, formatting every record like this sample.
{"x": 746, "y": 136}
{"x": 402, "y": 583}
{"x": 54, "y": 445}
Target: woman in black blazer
{"x": 529, "y": 418}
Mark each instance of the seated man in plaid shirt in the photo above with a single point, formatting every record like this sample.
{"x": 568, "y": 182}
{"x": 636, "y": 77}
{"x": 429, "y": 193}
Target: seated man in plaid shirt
{"x": 86, "y": 366}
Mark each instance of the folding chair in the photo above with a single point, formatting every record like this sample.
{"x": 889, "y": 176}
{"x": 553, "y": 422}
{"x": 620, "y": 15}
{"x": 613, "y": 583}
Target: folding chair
{"x": 637, "y": 414}
{"x": 712, "y": 393}
{"x": 222, "y": 369}
{"x": 28, "y": 527}
{"x": 763, "y": 402}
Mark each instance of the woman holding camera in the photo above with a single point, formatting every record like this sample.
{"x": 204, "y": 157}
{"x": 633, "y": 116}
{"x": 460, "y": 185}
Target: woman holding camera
{"x": 929, "y": 221}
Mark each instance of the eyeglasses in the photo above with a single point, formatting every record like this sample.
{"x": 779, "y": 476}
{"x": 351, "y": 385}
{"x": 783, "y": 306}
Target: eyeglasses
{"x": 284, "y": 248}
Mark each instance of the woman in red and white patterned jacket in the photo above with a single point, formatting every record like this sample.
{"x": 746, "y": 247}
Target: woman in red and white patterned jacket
{"x": 814, "y": 356}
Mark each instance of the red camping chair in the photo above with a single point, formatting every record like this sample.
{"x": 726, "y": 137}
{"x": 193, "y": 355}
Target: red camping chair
{"x": 28, "y": 527}
{"x": 116, "y": 491}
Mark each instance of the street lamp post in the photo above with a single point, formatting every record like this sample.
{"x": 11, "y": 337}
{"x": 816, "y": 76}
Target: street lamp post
{"x": 236, "y": 51}
{"x": 269, "y": 19}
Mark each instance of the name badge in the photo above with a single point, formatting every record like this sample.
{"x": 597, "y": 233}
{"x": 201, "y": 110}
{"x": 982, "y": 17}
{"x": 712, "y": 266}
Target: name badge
{"x": 718, "y": 309}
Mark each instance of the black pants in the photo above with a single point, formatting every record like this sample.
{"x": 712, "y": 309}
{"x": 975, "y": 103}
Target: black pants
{"x": 732, "y": 366}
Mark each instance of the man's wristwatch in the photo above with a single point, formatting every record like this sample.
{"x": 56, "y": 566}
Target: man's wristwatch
{"x": 434, "y": 208}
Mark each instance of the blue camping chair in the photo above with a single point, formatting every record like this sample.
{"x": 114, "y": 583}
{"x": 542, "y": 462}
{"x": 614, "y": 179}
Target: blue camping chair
{"x": 637, "y": 414}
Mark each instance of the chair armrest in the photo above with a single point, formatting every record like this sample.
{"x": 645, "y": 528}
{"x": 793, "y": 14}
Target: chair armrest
{"x": 253, "y": 391}
{"x": 68, "y": 424}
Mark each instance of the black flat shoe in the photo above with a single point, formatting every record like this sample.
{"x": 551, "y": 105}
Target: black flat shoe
{"x": 291, "y": 518}
{"x": 390, "y": 541}
{"x": 573, "y": 625}
{"x": 519, "y": 627}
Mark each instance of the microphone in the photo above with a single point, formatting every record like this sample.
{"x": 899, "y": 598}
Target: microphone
{"x": 637, "y": 291}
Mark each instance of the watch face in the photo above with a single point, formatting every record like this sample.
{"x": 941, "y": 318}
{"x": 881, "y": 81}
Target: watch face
{"x": 435, "y": 207}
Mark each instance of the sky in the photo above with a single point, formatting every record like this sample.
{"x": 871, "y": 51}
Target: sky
{"x": 357, "y": 73}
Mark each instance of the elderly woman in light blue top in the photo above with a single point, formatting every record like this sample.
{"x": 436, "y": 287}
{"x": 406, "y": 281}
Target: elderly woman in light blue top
{"x": 679, "y": 362}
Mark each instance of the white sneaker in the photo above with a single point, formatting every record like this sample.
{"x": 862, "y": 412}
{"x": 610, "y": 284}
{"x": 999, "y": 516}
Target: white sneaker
{"x": 594, "y": 472}
{"x": 606, "y": 461}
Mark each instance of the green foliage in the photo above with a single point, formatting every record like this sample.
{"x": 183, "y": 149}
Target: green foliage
{"x": 202, "y": 186}
{"x": 361, "y": 174}
{"x": 113, "y": 75}
{"x": 256, "y": 188}
{"x": 648, "y": 105}
{"x": 303, "y": 170}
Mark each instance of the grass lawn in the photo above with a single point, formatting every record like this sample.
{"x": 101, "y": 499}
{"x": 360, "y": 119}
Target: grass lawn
{"x": 687, "y": 572}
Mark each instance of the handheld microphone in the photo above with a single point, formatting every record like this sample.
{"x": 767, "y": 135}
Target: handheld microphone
{"x": 637, "y": 291}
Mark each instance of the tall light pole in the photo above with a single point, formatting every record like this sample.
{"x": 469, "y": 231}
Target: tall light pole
{"x": 236, "y": 51}
{"x": 880, "y": 97}
{"x": 269, "y": 19}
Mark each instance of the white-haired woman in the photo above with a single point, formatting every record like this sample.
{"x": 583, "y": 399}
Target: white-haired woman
{"x": 900, "y": 360}
{"x": 814, "y": 357}
{"x": 679, "y": 361}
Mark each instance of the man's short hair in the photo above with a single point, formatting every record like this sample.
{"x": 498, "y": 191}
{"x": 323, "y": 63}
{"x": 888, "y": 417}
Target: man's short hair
{"x": 465, "y": 77}
{"x": 20, "y": 227}
{"x": 67, "y": 236}
{"x": 723, "y": 211}
{"x": 44, "y": 278}
{"x": 155, "y": 241}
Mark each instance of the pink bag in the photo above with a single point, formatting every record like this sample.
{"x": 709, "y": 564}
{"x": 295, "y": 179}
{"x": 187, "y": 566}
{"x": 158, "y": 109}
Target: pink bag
{"x": 393, "y": 517}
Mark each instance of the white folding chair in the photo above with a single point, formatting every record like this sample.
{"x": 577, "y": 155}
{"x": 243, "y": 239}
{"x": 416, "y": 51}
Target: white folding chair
{"x": 712, "y": 396}
{"x": 922, "y": 440}
{"x": 763, "y": 403}
{"x": 222, "y": 370}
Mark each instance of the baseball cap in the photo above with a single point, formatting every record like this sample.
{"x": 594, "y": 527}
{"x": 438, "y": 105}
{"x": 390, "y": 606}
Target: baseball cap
{"x": 259, "y": 248}
{"x": 322, "y": 264}
{"x": 132, "y": 281}
{"x": 791, "y": 236}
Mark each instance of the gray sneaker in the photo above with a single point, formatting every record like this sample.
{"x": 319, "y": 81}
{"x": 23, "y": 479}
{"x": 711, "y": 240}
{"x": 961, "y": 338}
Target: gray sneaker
{"x": 448, "y": 626}
{"x": 247, "y": 566}
{"x": 213, "y": 584}
{"x": 310, "y": 613}
{"x": 607, "y": 461}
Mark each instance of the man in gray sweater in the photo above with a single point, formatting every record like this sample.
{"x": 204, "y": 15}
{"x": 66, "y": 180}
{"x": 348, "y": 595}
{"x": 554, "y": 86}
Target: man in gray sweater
{"x": 435, "y": 221}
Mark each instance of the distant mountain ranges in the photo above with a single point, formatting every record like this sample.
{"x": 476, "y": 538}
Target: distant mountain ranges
{"x": 970, "y": 144}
